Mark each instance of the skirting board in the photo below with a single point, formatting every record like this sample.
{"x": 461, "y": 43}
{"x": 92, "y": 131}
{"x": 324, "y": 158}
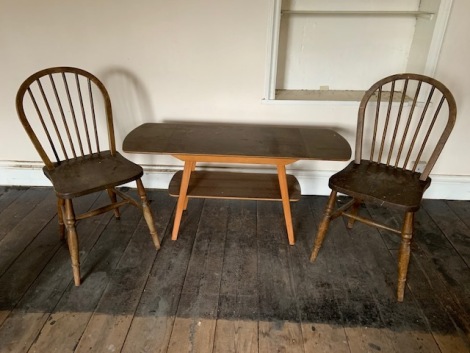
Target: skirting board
{"x": 449, "y": 187}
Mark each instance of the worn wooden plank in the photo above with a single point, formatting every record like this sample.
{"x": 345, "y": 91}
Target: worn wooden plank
{"x": 358, "y": 291}
{"x": 8, "y": 195}
{"x": 408, "y": 326}
{"x": 31, "y": 312}
{"x": 237, "y": 318}
{"x": 108, "y": 327}
{"x": 15, "y": 209}
{"x": 194, "y": 326}
{"x": 444, "y": 321}
{"x": 454, "y": 228}
{"x": 154, "y": 318}
{"x": 236, "y": 335}
{"x": 328, "y": 294}
{"x": 462, "y": 209}
{"x": 441, "y": 294}
{"x": 70, "y": 317}
{"x": 19, "y": 237}
{"x": 454, "y": 268}
{"x": 449, "y": 268}
{"x": 279, "y": 319}
{"x": 392, "y": 219}
{"x": 29, "y": 264}
{"x": 426, "y": 283}
{"x": 322, "y": 327}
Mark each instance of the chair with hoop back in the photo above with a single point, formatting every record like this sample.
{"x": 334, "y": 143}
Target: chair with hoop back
{"x": 403, "y": 123}
{"x": 67, "y": 114}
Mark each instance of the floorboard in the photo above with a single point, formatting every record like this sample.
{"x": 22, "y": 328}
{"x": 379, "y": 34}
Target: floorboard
{"x": 230, "y": 283}
{"x": 237, "y": 316}
{"x": 155, "y": 315}
{"x": 194, "y": 326}
{"x": 321, "y": 318}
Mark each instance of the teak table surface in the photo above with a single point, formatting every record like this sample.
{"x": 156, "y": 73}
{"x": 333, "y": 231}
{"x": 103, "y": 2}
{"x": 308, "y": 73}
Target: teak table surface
{"x": 233, "y": 143}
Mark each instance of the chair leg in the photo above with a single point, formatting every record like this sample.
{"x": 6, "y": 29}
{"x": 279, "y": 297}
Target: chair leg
{"x": 72, "y": 240}
{"x": 60, "y": 216}
{"x": 404, "y": 254}
{"x": 147, "y": 213}
{"x": 353, "y": 210}
{"x": 323, "y": 227}
{"x": 112, "y": 196}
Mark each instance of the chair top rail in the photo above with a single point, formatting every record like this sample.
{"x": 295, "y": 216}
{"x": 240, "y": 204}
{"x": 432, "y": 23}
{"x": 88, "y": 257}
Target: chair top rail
{"x": 410, "y": 127}
{"x": 62, "y": 116}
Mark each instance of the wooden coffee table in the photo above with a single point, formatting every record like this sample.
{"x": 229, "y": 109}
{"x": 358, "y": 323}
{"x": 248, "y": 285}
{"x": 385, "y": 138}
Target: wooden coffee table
{"x": 240, "y": 144}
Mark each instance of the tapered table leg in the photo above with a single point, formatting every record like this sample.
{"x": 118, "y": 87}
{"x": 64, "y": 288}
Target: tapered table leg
{"x": 182, "y": 201}
{"x": 281, "y": 172}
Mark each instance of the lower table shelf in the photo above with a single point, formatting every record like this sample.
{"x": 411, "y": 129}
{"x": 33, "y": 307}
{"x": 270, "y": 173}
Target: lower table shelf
{"x": 230, "y": 185}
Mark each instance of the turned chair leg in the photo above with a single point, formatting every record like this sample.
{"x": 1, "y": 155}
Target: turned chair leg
{"x": 60, "y": 216}
{"x": 72, "y": 240}
{"x": 353, "y": 210}
{"x": 147, "y": 213}
{"x": 404, "y": 254}
{"x": 323, "y": 227}
{"x": 112, "y": 196}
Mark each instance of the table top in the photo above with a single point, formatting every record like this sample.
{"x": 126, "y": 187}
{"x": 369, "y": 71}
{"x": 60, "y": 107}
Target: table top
{"x": 238, "y": 140}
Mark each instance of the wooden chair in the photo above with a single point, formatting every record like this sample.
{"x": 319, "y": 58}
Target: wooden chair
{"x": 64, "y": 110}
{"x": 403, "y": 123}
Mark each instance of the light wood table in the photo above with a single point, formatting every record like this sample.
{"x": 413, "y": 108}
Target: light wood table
{"x": 240, "y": 144}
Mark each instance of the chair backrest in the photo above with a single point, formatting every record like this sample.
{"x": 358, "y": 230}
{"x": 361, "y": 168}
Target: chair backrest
{"x": 403, "y": 120}
{"x": 66, "y": 111}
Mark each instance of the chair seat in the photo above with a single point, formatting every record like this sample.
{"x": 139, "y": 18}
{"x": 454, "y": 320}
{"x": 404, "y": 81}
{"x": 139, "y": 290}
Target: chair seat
{"x": 388, "y": 186}
{"x": 95, "y": 172}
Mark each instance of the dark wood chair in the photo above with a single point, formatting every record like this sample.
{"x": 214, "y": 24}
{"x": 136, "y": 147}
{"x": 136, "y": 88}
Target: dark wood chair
{"x": 403, "y": 123}
{"x": 67, "y": 114}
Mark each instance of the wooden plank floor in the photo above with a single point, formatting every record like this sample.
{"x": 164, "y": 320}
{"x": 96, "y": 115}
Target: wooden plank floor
{"x": 230, "y": 283}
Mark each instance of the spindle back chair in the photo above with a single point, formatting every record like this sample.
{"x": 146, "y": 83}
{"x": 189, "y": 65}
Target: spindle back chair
{"x": 67, "y": 114}
{"x": 404, "y": 121}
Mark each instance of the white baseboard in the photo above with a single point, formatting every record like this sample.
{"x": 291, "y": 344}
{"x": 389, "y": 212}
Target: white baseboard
{"x": 312, "y": 182}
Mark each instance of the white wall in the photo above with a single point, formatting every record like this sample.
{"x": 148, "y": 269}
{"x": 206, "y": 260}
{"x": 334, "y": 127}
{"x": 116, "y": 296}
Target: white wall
{"x": 199, "y": 60}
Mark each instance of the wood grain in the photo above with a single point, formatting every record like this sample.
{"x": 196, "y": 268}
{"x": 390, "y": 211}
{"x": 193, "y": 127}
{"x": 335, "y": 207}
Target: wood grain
{"x": 233, "y": 284}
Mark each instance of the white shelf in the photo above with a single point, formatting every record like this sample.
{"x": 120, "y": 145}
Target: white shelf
{"x": 331, "y": 95}
{"x": 320, "y": 95}
{"x": 358, "y": 13}
{"x": 307, "y": 50}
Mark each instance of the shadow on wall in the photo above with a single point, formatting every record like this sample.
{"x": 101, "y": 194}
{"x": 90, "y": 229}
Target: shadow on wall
{"x": 131, "y": 107}
{"x": 129, "y": 99}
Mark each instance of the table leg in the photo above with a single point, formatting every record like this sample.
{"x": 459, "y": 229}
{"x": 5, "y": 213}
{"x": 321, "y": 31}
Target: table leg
{"x": 281, "y": 173}
{"x": 182, "y": 199}
{"x": 193, "y": 168}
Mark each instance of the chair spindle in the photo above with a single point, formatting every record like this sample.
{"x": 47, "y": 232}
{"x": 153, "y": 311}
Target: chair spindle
{"x": 417, "y": 130}
{"x": 72, "y": 112}
{"x": 428, "y": 133}
{"x": 387, "y": 119}
{"x": 92, "y": 106}
{"x": 397, "y": 124}
{"x": 376, "y": 123}
{"x": 62, "y": 114}
{"x": 41, "y": 119}
{"x": 53, "y": 120}
{"x": 82, "y": 108}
